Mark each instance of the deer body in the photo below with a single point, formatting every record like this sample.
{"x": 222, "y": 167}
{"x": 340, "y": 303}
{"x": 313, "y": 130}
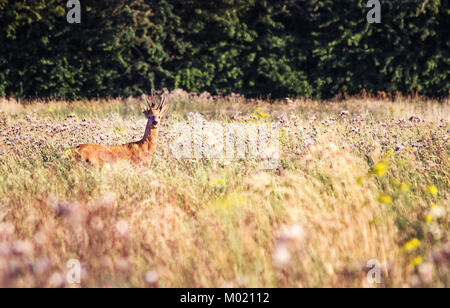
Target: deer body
{"x": 139, "y": 152}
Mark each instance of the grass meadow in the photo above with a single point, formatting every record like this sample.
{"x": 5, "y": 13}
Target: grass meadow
{"x": 359, "y": 179}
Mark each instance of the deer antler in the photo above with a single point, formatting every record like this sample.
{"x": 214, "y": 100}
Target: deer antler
{"x": 153, "y": 99}
{"x": 150, "y": 103}
{"x": 163, "y": 103}
{"x": 146, "y": 106}
{"x": 138, "y": 151}
{"x": 163, "y": 108}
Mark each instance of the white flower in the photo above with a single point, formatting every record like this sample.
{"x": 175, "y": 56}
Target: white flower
{"x": 122, "y": 228}
{"x": 281, "y": 256}
{"x": 22, "y": 248}
{"x": 151, "y": 277}
{"x": 56, "y": 280}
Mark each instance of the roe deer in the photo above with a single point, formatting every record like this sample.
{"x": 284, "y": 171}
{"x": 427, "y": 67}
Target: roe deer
{"x": 140, "y": 151}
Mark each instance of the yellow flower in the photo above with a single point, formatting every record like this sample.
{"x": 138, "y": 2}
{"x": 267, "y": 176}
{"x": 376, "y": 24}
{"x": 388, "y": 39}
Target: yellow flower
{"x": 428, "y": 218}
{"x": 360, "y": 180}
{"x": 432, "y": 190}
{"x": 416, "y": 261}
{"x": 402, "y": 162}
{"x": 229, "y": 202}
{"x": 374, "y": 221}
{"x": 395, "y": 182}
{"x": 388, "y": 153}
{"x": 67, "y": 153}
{"x": 404, "y": 187}
{"x": 385, "y": 199}
{"x": 282, "y": 137}
{"x": 411, "y": 245}
{"x": 259, "y": 114}
{"x": 380, "y": 168}
{"x": 178, "y": 115}
{"x": 217, "y": 182}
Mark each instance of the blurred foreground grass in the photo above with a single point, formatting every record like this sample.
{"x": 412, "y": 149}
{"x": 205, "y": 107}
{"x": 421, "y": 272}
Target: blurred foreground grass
{"x": 357, "y": 180}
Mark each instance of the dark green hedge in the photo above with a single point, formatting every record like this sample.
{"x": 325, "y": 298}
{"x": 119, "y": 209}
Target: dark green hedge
{"x": 306, "y": 48}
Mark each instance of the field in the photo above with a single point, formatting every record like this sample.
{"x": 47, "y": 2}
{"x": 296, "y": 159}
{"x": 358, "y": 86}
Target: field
{"x": 361, "y": 184}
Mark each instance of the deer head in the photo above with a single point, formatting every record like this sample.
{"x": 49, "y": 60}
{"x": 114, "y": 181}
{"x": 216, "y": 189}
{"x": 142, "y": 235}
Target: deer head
{"x": 153, "y": 111}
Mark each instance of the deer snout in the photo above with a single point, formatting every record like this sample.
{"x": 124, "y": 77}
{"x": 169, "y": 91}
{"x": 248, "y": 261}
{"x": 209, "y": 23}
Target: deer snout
{"x": 155, "y": 123}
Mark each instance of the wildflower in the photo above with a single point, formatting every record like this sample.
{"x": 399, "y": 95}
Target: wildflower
{"x": 22, "y": 248}
{"x": 281, "y": 256}
{"x": 385, "y": 199}
{"x": 259, "y": 114}
{"x": 414, "y": 119}
{"x": 122, "y": 263}
{"x": 360, "y": 180}
{"x": 441, "y": 256}
{"x": 411, "y": 245}
{"x": 436, "y": 211}
{"x": 56, "y": 280}
{"x": 428, "y": 218}
{"x": 380, "y": 168}
{"x": 236, "y": 116}
{"x": 122, "y": 228}
{"x": 294, "y": 232}
{"x": 416, "y": 261}
{"x": 374, "y": 221}
{"x": 48, "y": 111}
{"x": 229, "y": 202}
{"x": 426, "y": 272}
{"x": 344, "y": 113}
{"x": 282, "y": 119}
{"x": 67, "y": 153}
{"x": 41, "y": 265}
{"x": 151, "y": 277}
{"x": 282, "y": 137}
{"x": 395, "y": 182}
{"x": 404, "y": 187}
{"x": 432, "y": 190}
{"x": 6, "y": 230}
{"x": 388, "y": 153}
{"x": 217, "y": 182}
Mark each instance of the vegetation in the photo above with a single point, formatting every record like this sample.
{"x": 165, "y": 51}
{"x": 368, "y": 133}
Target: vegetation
{"x": 357, "y": 180}
{"x": 299, "y": 48}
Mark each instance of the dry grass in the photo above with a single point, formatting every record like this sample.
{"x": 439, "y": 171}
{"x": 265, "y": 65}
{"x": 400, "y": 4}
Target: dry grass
{"x": 357, "y": 180}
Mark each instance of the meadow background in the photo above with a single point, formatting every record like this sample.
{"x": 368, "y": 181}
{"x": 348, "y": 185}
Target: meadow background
{"x": 358, "y": 179}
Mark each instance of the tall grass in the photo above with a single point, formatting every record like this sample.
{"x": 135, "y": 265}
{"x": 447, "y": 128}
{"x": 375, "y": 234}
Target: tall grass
{"x": 357, "y": 180}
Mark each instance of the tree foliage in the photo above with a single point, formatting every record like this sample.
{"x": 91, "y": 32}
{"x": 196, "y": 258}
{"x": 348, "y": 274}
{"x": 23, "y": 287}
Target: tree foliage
{"x": 307, "y": 48}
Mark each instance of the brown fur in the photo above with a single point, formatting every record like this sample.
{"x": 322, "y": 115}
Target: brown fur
{"x": 139, "y": 152}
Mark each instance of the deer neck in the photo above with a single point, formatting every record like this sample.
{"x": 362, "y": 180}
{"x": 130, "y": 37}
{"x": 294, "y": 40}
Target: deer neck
{"x": 150, "y": 139}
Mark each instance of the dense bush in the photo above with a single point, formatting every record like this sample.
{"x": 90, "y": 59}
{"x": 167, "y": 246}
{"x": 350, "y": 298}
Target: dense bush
{"x": 307, "y": 48}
